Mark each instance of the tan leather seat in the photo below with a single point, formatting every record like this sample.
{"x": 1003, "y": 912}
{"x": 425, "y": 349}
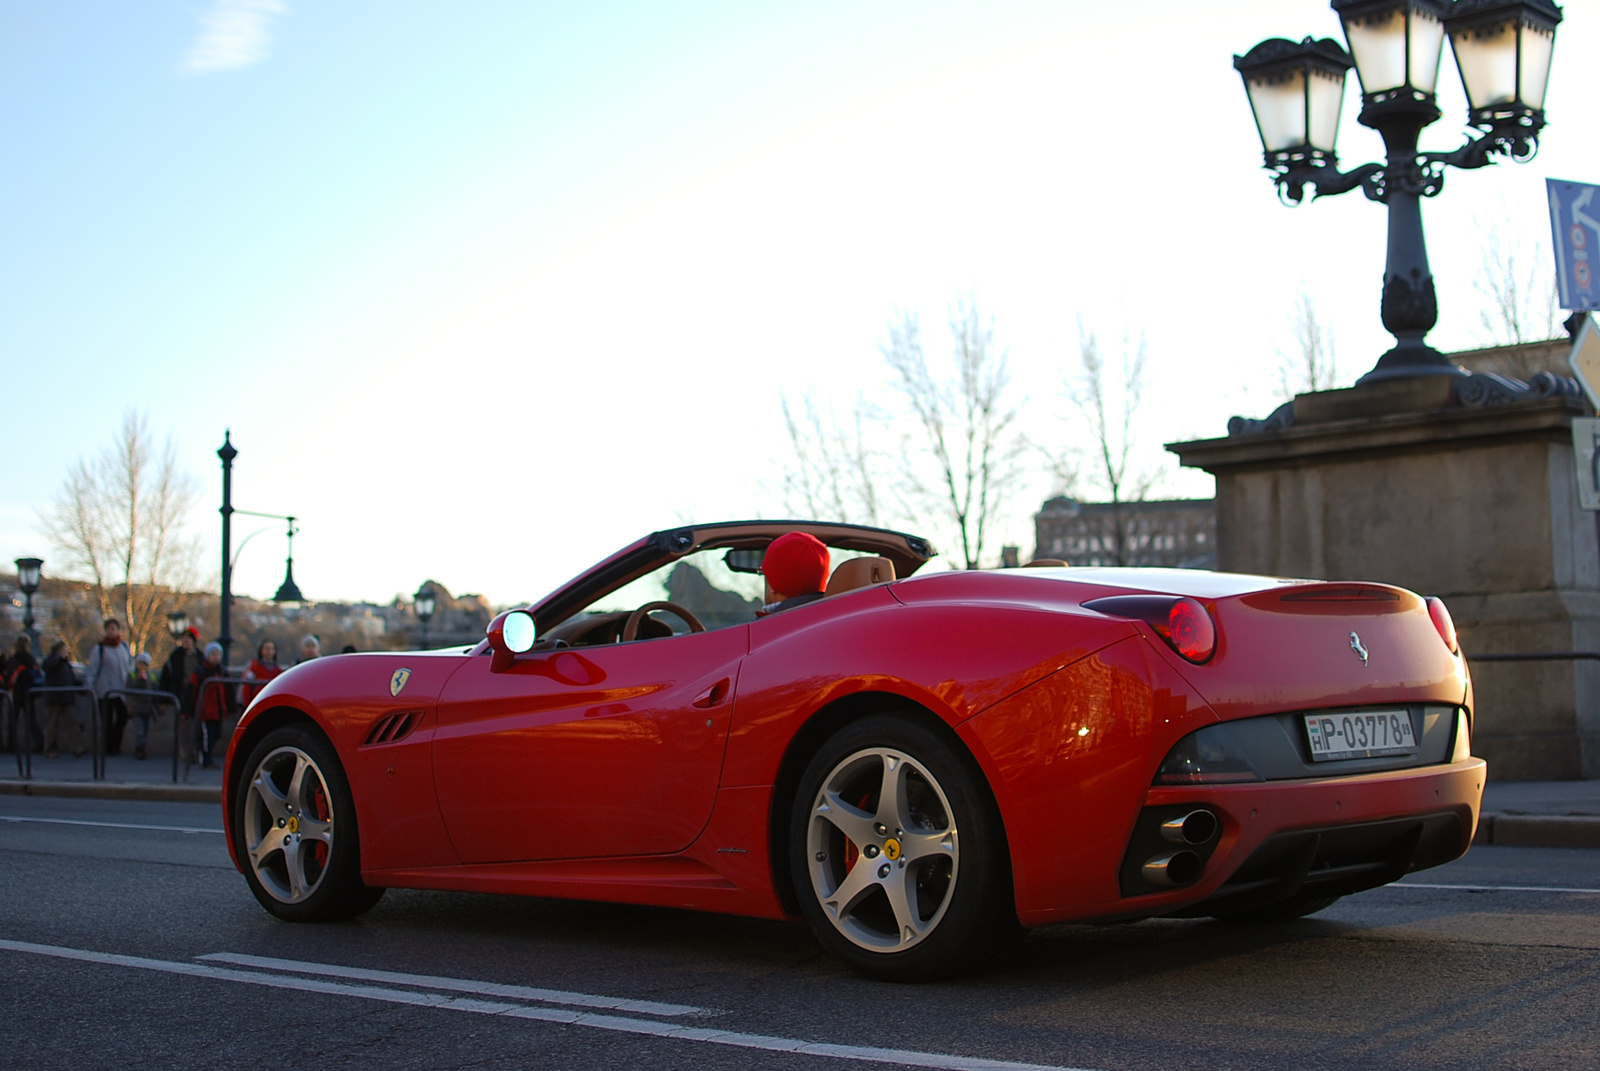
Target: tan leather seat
{"x": 1045, "y": 563}
{"x": 859, "y": 573}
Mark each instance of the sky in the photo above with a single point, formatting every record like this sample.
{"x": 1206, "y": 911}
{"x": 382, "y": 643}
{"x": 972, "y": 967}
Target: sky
{"x": 483, "y": 291}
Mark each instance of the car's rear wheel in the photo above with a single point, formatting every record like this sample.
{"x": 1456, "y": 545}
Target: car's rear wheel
{"x": 294, "y": 823}
{"x": 898, "y": 854}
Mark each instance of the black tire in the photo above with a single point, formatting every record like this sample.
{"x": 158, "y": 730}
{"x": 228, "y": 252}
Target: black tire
{"x": 957, "y": 892}
{"x": 1297, "y": 906}
{"x": 301, "y": 821}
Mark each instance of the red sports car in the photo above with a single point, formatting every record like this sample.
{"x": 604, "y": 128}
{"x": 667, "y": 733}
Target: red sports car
{"x": 919, "y": 765}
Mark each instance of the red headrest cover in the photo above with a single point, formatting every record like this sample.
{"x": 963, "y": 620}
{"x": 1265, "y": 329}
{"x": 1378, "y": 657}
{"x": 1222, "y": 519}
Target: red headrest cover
{"x": 796, "y": 564}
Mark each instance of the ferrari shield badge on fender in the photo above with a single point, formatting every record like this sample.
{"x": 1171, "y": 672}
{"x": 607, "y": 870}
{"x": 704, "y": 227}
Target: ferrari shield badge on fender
{"x": 398, "y": 682}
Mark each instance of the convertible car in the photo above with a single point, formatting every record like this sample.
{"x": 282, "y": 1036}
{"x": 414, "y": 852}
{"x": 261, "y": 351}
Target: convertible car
{"x": 920, "y": 765}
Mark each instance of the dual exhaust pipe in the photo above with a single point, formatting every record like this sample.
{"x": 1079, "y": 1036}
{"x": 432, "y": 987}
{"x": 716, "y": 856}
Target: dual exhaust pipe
{"x": 1182, "y": 866}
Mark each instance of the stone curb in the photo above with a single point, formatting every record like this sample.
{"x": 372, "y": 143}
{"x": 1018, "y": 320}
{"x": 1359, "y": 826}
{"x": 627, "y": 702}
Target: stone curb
{"x": 112, "y": 790}
{"x": 1539, "y": 830}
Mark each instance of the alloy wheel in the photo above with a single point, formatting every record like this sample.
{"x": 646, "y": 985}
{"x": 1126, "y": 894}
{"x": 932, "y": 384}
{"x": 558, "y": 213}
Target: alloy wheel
{"x": 288, "y": 824}
{"x": 883, "y": 849}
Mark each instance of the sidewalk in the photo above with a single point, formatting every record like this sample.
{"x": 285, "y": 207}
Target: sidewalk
{"x": 127, "y": 778}
{"x": 1543, "y": 814}
{"x": 1546, "y": 814}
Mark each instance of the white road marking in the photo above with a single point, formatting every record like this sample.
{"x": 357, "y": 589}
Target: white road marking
{"x": 621, "y": 1024}
{"x": 106, "y": 825}
{"x": 457, "y": 985}
{"x": 1490, "y": 888}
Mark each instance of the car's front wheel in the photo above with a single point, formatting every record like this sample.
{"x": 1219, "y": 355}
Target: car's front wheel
{"x": 294, "y": 822}
{"x": 898, "y": 853}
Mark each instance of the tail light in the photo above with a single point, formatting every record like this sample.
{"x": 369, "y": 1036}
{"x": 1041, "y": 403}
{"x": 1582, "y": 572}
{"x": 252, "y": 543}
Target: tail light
{"x": 1182, "y": 622}
{"x": 1442, "y": 622}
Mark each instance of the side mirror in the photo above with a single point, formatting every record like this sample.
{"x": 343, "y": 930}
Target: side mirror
{"x": 511, "y": 634}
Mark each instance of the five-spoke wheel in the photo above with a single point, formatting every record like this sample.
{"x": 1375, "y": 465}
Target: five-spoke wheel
{"x": 288, "y": 824}
{"x": 295, "y": 830}
{"x": 884, "y": 850}
{"x": 898, "y": 854}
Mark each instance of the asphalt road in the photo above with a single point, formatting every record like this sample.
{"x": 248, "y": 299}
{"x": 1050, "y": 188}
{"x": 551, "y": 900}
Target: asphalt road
{"x": 128, "y": 941}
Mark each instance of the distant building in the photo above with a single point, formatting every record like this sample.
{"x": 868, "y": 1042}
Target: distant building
{"x": 1177, "y": 533}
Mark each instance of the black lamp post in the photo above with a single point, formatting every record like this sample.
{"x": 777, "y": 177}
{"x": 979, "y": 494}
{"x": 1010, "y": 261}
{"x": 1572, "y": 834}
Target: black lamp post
{"x": 288, "y": 592}
{"x": 423, "y": 604}
{"x": 227, "y": 453}
{"x": 28, "y": 580}
{"x": 1503, "y": 50}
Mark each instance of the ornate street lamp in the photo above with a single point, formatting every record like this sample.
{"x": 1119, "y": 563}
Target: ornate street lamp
{"x": 423, "y": 604}
{"x": 28, "y": 580}
{"x": 1503, "y": 50}
{"x": 177, "y": 623}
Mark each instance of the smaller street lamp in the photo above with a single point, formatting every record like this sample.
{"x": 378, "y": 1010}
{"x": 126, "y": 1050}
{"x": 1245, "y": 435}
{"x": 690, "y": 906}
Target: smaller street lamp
{"x": 289, "y": 591}
{"x": 177, "y": 623}
{"x": 423, "y": 604}
{"x": 28, "y": 580}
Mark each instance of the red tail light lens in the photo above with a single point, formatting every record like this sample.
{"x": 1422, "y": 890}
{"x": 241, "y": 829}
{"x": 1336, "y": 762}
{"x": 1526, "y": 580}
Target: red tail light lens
{"x": 1190, "y": 631}
{"x": 1442, "y": 622}
{"x": 1182, "y": 622}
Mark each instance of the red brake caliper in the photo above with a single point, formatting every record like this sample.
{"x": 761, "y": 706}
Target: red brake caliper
{"x": 851, "y": 851}
{"x": 324, "y": 813}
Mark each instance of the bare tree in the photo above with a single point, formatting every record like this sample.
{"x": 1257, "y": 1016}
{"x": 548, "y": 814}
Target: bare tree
{"x": 969, "y": 446}
{"x": 1312, "y": 366}
{"x": 1518, "y": 290}
{"x": 118, "y": 520}
{"x": 833, "y": 474}
{"x": 1108, "y": 409}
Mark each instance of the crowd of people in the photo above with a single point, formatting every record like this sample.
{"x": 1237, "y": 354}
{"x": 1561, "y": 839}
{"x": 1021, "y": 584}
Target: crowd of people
{"x": 125, "y": 689}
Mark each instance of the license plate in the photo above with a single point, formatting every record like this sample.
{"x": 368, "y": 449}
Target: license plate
{"x": 1368, "y": 735}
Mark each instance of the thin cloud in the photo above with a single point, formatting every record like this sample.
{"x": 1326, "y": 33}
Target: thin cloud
{"x": 233, "y": 34}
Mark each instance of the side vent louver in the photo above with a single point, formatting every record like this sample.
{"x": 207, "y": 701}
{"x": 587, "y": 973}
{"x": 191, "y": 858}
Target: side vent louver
{"x": 393, "y": 727}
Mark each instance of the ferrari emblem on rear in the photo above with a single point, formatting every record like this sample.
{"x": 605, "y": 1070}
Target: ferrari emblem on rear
{"x": 1355, "y": 645}
{"x": 398, "y": 681}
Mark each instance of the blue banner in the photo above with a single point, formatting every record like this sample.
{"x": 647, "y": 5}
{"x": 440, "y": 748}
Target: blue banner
{"x": 1575, "y": 225}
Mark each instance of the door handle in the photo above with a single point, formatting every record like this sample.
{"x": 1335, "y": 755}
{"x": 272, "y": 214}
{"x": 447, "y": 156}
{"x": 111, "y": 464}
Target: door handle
{"x": 713, "y": 695}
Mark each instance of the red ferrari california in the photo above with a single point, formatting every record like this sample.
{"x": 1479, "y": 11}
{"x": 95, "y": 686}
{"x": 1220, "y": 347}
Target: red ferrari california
{"x": 920, "y": 765}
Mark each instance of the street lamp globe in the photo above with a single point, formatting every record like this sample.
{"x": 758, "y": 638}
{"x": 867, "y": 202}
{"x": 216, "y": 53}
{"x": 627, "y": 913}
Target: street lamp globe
{"x": 1503, "y": 49}
{"x": 1296, "y": 92}
{"x": 177, "y": 623}
{"x": 1396, "y": 45}
{"x": 28, "y": 574}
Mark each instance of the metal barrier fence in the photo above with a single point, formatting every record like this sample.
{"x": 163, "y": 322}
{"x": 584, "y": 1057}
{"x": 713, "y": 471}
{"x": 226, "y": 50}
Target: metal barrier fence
{"x": 27, "y": 730}
{"x": 36, "y": 733}
{"x": 156, "y": 698}
{"x": 12, "y": 734}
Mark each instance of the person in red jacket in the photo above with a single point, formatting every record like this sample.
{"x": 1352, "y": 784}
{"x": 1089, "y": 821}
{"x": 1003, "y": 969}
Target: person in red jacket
{"x": 264, "y": 668}
{"x": 210, "y": 704}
